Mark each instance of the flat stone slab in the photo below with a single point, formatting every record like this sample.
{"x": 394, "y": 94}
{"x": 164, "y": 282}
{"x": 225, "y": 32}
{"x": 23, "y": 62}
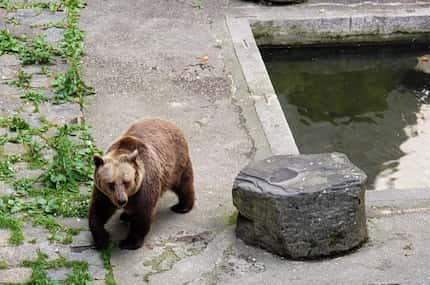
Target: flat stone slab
{"x": 15, "y": 275}
{"x": 301, "y": 206}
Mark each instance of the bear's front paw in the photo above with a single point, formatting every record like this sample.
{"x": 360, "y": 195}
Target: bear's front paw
{"x": 130, "y": 244}
{"x": 180, "y": 208}
{"x": 101, "y": 241}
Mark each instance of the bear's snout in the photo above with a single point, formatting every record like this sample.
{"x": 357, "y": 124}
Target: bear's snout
{"x": 121, "y": 198}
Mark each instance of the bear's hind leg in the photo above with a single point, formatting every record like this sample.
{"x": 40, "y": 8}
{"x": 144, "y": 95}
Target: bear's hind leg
{"x": 185, "y": 191}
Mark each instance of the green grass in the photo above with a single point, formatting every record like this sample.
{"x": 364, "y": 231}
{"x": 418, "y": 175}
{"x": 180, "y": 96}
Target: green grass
{"x": 72, "y": 163}
{"x": 14, "y": 226}
{"x": 34, "y": 97}
{"x": 79, "y": 274}
{"x": 22, "y": 80}
{"x": 52, "y": 6}
{"x": 197, "y": 5}
{"x": 44, "y": 26}
{"x": 9, "y": 43}
{"x": 13, "y": 21}
{"x": 106, "y": 256}
{"x": 7, "y": 170}
{"x": 14, "y": 123}
{"x": 4, "y": 264}
{"x": 70, "y": 86}
{"x": 38, "y": 52}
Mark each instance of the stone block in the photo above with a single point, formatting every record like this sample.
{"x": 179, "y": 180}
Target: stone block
{"x": 15, "y": 275}
{"x": 301, "y": 206}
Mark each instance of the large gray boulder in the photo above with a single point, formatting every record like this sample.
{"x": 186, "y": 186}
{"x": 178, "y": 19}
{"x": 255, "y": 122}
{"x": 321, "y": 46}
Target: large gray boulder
{"x": 301, "y": 206}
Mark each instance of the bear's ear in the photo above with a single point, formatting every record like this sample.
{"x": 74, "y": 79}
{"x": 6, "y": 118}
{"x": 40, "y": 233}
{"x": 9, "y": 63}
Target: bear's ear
{"x": 132, "y": 156}
{"x": 98, "y": 160}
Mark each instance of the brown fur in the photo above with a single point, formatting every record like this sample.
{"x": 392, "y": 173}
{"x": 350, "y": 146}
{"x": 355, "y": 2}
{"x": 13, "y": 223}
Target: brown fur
{"x": 151, "y": 157}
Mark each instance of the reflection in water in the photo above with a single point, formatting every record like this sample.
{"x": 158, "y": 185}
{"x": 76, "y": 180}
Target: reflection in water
{"x": 358, "y": 101}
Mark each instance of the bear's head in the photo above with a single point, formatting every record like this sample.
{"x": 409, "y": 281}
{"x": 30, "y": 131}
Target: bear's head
{"x": 118, "y": 175}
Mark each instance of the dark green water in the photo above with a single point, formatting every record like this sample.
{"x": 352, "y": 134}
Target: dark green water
{"x": 353, "y": 100}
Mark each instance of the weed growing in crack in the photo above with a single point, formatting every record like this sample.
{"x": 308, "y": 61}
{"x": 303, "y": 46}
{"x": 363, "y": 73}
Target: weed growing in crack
{"x": 73, "y": 161}
{"x": 106, "y": 255}
{"x": 9, "y": 43}
{"x": 13, "y": 21}
{"x": 14, "y": 124}
{"x": 44, "y": 26}
{"x": 36, "y": 98}
{"x": 14, "y": 226}
{"x": 79, "y": 274}
{"x": 69, "y": 85}
{"x": 38, "y": 52}
{"x": 22, "y": 80}
{"x": 12, "y": 5}
{"x": 7, "y": 171}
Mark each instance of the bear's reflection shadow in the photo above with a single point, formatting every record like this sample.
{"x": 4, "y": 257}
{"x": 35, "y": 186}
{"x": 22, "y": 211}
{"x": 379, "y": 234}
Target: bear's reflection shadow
{"x": 118, "y": 229}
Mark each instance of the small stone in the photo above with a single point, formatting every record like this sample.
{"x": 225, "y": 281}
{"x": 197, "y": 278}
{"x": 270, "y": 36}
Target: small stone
{"x": 40, "y": 81}
{"x": 3, "y": 132}
{"x": 97, "y": 272}
{"x": 301, "y": 211}
{"x": 58, "y": 274}
{"x": 201, "y": 123}
{"x": 5, "y": 189}
{"x": 4, "y": 237}
{"x": 8, "y": 60}
{"x": 33, "y": 16}
{"x": 84, "y": 238}
{"x": 74, "y": 223}
{"x": 31, "y": 69}
{"x": 54, "y": 35}
{"x": 29, "y": 173}
{"x": 15, "y": 275}
{"x": 61, "y": 114}
{"x": 13, "y": 255}
{"x": 13, "y": 148}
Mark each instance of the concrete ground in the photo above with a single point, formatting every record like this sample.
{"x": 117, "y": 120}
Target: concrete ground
{"x": 148, "y": 58}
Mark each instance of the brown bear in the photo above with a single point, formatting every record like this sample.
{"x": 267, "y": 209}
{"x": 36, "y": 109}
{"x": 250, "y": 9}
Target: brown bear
{"x": 149, "y": 158}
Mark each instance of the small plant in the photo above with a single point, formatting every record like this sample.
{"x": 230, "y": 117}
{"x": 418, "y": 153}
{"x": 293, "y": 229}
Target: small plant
{"x": 106, "y": 255}
{"x": 34, "y": 155}
{"x": 34, "y": 97}
{"x": 44, "y": 26}
{"x": 22, "y": 79}
{"x": 7, "y": 171}
{"x": 197, "y": 5}
{"x": 11, "y": 5}
{"x": 9, "y": 43}
{"x": 17, "y": 236}
{"x": 23, "y": 186}
{"x": 3, "y": 139}
{"x": 70, "y": 85}
{"x": 3, "y": 264}
{"x": 72, "y": 44}
{"x": 71, "y": 164}
{"x": 79, "y": 276}
{"x": 14, "y": 123}
{"x": 38, "y": 52}
{"x": 13, "y": 21}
